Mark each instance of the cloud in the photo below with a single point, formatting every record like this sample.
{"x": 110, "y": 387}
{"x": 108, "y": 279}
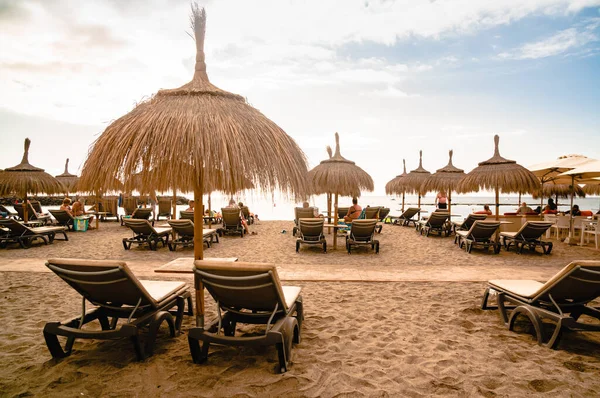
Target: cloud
{"x": 560, "y": 43}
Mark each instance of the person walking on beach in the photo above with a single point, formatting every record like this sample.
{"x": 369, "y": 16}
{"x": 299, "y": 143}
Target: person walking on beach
{"x": 441, "y": 200}
{"x": 353, "y": 211}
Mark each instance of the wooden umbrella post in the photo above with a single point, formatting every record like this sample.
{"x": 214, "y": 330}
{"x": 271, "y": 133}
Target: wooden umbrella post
{"x": 497, "y": 204}
{"x": 335, "y": 221}
{"x": 25, "y": 208}
{"x": 450, "y": 203}
{"x": 198, "y": 249}
{"x": 570, "y": 240}
{"x": 329, "y": 211}
{"x": 209, "y": 213}
{"x": 402, "y": 201}
{"x": 174, "y": 205}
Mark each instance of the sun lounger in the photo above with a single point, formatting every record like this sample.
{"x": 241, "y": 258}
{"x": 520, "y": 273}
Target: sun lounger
{"x": 232, "y": 223}
{"x": 24, "y": 235}
{"x": 383, "y": 216}
{"x": 563, "y": 300}
{"x": 247, "y": 293}
{"x": 186, "y": 215}
{"x": 342, "y": 212}
{"x": 311, "y": 233}
{"x": 481, "y": 234}
{"x": 117, "y": 294}
{"x": 32, "y": 215}
{"x": 468, "y": 222}
{"x": 8, "y": 214}
{"x": 63, "y": 218}
{"x": 408, "y": 216}
{"x": 437, "y": 222}
{"x": 185, "y": 234}
{"x": 164, "y": 209}
{"x": 529, "y": 235}
{"x": 142, "y": 213}
{"x": 246, "y": 212}
{"x": 362, "y": 233}
{"x": 144, "y": 232}
{"x": 301, "y": 212}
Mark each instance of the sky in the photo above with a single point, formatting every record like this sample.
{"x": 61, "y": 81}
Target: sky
{"x": 391, "y": 77}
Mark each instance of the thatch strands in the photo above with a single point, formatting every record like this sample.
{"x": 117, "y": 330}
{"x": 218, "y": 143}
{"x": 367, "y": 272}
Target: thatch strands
{"x": 396, "y": 185}
{"x": 445, "y": 179}
{"x": 224, "y": 139}
{"x": 67, "y": 179}
{"x": 559, "y": 190}
{"x": 416, "y": 178}
{"x": 592, "y": 188}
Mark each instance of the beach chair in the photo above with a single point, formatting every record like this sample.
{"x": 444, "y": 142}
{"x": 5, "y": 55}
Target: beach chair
{"x": 342, "y": 211}
{"x": 24, "y": 235}
{"x": 301, "y": 212}
{"x": 117, "y": 294}
{"x": 383, "y": 215}
{"x": 142, "y": 213}
{"x": 362, "y": 234}
{"x": 232, "y": 223}
{"x": 467, "y": 223}
{"x": 111, "y": 207}
{"x": 129, "y": 205}
{"x": 562, "y": 300}
{"x": 63, "y": 218}
{"x": 481, "y": 234}
{"x": 32, "y": 215}
{"x": 186, "y": 215}
{"x": 185, "y": 234}
{"x": 144, "y": 232}
{"x": 408, "y": 216}
{"x": 164, "y": 209}
{"x": 247, "y": 216}
{"x": 247, "y": 293}
{"x": 37, "y": 206}
{"x": 7, "y": 213}
{"x": 372, "y": 212}
{"x": 530, "y": 235}
{"x": 311, "y": 233}
{"x": 437, "y": 222}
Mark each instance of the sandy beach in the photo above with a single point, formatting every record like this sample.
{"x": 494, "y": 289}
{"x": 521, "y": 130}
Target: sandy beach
{"x": 405, "y": 322}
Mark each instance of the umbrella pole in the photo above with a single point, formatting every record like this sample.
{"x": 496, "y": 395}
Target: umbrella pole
{"x": 497, "y": 204}
{"x": 571, "y": 238}
{"x": 419, "y": 205}
{"x": 450, "y": 203}
{"x": 335, "y": 221}
{"x": 198, "y": 248}
{"x": 209, "y": 213}
{"x": 402, "y": 201}
{"x": 174, "y": 205}
{"x": 329, "y": 211}
{"x": 25, "y": 208}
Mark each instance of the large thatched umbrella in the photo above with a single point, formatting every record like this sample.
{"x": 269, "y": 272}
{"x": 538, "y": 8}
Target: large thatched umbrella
{"x": 564, "y": 191}
{"x": 500, "y": 175}
{"x": 339, "y": 176}
{"x": 396, "y": 185}
{"x": 24, "y": 179}
{"x": 416, "y": 178}
{"x": 67, "y": 179}
{"x": 444, "y": 179}
{"x": 215, "y": 131}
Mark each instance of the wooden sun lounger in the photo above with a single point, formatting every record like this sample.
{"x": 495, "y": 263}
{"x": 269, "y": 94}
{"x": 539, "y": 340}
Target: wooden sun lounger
{"x": 529, "y": 235}
{"x": 311, "y": 233}
{"x": 185, "y": 234}
{"x": 144, "y": 232}
{"x": 24, "y": 235}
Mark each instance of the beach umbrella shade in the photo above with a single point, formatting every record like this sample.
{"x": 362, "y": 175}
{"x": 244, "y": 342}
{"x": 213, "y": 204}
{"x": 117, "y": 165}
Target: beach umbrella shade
{"x": 445, "y": 179}
{"x": 416, "y": 178}
{"x": 499, "y": 175}
{"x": 564, "y": 191}
{"x": 206, "y": 127}
{"x": 67, "y": 179}
{"x": 24, "y": 179}
{"x": 339, "y": 176}
{"x": 592, "y": 187}
{"x": 396, "y": 185}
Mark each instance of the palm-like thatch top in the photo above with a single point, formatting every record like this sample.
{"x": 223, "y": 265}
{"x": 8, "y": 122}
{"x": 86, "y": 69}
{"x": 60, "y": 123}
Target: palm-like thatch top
{"x": 592, "y": 188}
{"x": 24, "y": 178}
{"x": 224, "y": 139}
{"x": 416, "y": 177}
{"x": 396, "y": 185}
{"x": 499, "y": 174}
{"x": 560, "y": 190}
{"x": 339, "y": 175}
{"x": 444, "y": 179}
{"x": 67, "y": 179}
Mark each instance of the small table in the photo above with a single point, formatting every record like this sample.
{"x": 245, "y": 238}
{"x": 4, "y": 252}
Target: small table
{"x": 185, "y": 265}
{"x": 98, "y": 214}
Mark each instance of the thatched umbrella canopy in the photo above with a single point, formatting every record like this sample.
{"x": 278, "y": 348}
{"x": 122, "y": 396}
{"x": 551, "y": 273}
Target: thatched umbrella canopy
{"x": 215, "y": 131}
{"x": 67, "y": 179}
{"x": 592, "y": 187}
{"x": 24, "y": 179}
{"x": 500, "y": 175}
{"x": 559, "y": 191}
{"x": 416, "y": 178}
{"x": 445, "y": 179}
{"x": 397, "y": 186}
{"x": 339, "y": 176}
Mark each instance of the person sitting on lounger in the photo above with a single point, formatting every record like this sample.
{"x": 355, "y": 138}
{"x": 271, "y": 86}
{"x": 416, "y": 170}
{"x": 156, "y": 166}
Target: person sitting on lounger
{"x": 353, "y": 211}
{"x": 66, "y": 206}
{"x": 486, "y": 210}
{"x": 191, "y": 206}
{"x": 232, "y": 205}
{"x": 316, "y": 213}
{"x": 79, "y": 210}
{"x": 524, "y": 209}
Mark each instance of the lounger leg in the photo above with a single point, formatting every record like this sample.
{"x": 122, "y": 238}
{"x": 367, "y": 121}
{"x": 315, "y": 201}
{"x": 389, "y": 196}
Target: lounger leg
{"x": 53, "y": 344}
{"x": 484, "y": 301}
{"x": 199, "y": 355}
{"x": 126, "y": 244}
{"x": 533, "y": 317}
{"x": 180, "y": 312}
{"x": 555, "y": 339}
{"x": 324, "y": 247}
{"x": 157, "y": 320}
{"x": 297, "y": 246}
{"x": 281, "y": 354}
{"x": 502, "y": 307}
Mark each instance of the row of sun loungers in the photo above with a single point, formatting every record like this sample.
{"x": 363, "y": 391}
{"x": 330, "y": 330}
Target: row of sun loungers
{"x": 361, "y": 233}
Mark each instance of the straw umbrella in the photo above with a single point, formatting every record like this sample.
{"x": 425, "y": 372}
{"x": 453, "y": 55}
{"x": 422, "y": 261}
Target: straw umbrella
{"x": 67, "y": 179}
{"x": 339, "y": 176}
{"x": 500, "y": 175}
{"x": 215, "y": 131}
{"x": 416, "y": 178}
{"x": 24, "y": 178}
{"x": 444, "y": 179}
{"x": 396, "y": 185}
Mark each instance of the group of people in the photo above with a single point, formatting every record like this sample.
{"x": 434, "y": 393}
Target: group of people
{"x": 76, "y": 210}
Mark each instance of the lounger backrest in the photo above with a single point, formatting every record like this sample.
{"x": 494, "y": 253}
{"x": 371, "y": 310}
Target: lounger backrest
{"x": 164, "y": 206}
{"x": 533, "y": 229}
{"x": 36, "y": 206}
{"x": 16, "y": 228}
{"x": 31, "y": 213}
{"x": 186, "y": 215}
{"x": 471, "y": 218}
{"x": 61, "y": 216}
{"x": 231, "y": 217}
{"x": 102, "y": 282}
{"x": 410, "y": 212}
{"x": 4, "y": 209}
{"x": 246, "y": 212}
{"x": 362, "y": 229}
{"x": 139, "y": 227}
{"x": 251, "y": 286}
{"x": 577, "y": 282}
{"x": 383, "y": 213}
{"x": 438, "y": 218}
{"x": 129, "y": 205}
{"x": 372, "y": 212}
{"x": 342, "y": 211}
{"x": 482, "y": 230}
{"x": 311, "y": 228}
{"x": 182, "y": 227}
{"x": 304, "y": 212}
{"x": 143, "y": 213}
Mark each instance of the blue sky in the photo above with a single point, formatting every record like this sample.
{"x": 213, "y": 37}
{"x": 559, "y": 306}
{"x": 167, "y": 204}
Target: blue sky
{"x": 392, "y": 77}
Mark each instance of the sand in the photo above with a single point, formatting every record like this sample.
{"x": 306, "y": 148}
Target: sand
{"x": 406, "y": 322}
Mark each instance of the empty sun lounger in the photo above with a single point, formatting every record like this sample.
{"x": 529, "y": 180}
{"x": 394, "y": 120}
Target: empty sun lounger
{"x": 144, "y": 232}
{"x": 480, "y": 234}
{"x": 247, "y": 293}
{"x": 362, "y": 233}
{"x": 143, "y": 213}
{"x": 529, "y": 235}
{"x": 408, "y": 216}
{"x": 164, "y": 209}
{"x": 20, "y": 233}
{"x": 437, "y": 222}
{"x": 468, "y": 222}
{"x": 311, "y": 233}
{"x": 185, "y": 234}
{"x": 186, "y": 215}
{"x": 563, "y": 300}
{"x": 117, "y": 294}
